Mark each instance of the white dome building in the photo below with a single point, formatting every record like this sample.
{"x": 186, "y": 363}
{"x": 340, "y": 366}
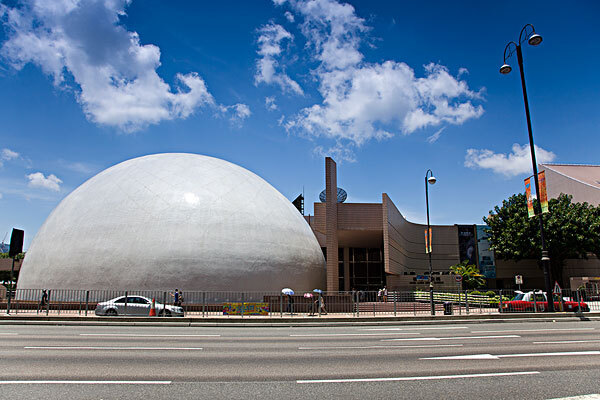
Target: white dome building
{"x": 168, "y": 221}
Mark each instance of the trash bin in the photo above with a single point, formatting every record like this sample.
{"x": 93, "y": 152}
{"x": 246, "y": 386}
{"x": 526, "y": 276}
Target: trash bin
{"x": 447, "y": 308}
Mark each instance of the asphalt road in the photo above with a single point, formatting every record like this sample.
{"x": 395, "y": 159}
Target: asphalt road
{"x": 534, "y": 360}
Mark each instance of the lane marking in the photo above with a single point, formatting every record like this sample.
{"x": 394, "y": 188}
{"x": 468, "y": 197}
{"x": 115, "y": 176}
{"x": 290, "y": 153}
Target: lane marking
{"x": 568, "y": 341}
{"x": 418, "y": 328}
{"x": 86, "y": 382}
{"x": 107, "y": 348}
{"x": 418, "y": 378}
{"x": 8, "y": 333}
{"x": 379, "y": 346}
{"x": 142, "y": 335}
{"x": 354, "y": 334}
{"x": 594, "y": 396}
{"x": 498, "y": 356}
{"x": 537, "y": 330}
{"x": 454, "y": 338}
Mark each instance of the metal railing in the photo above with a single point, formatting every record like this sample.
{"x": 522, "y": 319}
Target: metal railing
{"x": 275, "y": 304}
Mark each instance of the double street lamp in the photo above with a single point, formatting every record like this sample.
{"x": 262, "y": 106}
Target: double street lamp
{"x": 429, "y": 180}
{"x": 528, "y": 34}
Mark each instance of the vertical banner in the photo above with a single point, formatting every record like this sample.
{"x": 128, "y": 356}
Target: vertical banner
{"x": 467, "y": 244}
{"x": 530, "y": 211}
{"x": 427, "y": 241}
{"x": 487, "y": 265}
{"x": 543, "y": 193}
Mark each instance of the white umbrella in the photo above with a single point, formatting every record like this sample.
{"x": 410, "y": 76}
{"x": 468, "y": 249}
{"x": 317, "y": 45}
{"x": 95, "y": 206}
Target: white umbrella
{"x": 317, "y": 291}
{"x": 287, "y": 291}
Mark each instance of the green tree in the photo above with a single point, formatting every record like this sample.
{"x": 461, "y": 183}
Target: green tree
{"x": 571, "y": 230}
{"x": 472, "y": 278}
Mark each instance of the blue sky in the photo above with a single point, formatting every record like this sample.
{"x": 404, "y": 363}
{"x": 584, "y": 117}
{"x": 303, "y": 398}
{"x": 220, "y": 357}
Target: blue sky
{"x": 389, "y": 89}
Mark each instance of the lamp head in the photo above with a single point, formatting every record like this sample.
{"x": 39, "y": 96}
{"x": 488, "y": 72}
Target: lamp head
{"x": 535, "y": 39}
{"x": 505, "y": 69}
{"x": 431, "y": 180}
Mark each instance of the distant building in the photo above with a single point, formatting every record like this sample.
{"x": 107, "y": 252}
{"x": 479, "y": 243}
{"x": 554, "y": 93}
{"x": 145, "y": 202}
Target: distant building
{"x": 580, "y": 181}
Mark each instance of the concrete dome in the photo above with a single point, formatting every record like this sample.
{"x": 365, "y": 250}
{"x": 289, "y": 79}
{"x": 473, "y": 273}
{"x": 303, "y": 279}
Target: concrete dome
{"x": 176, "y": 220}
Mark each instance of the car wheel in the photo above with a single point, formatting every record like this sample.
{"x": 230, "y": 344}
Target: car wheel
{"x": 165, "y": 313}
{"x": 111, "y": 312}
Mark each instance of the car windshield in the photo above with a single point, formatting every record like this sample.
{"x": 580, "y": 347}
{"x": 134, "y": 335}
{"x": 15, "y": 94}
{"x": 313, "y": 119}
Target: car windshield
{"x": 519, "y": 296}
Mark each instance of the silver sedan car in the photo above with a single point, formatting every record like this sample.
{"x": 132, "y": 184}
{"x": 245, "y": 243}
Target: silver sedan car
{"x": 137, "y": 306}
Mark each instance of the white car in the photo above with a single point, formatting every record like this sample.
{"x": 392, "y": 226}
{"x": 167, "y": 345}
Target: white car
{"x": 136, "y": 305}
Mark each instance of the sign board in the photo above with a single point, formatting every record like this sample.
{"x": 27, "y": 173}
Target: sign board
{"x": 247, "y": 308}
{"x": 557, "y": 289}
{"x": 458, "y": 278}
{"x": 519, "y": 279}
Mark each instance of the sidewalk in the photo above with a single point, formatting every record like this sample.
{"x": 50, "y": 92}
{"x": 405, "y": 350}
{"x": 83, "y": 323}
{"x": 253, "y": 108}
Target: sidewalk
{"x": 288, "y": 320}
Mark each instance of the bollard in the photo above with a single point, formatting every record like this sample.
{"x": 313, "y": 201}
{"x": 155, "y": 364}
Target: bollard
{"x": 48, "y": 302}
{"x": 126, "y": 302}
{"x": 500, "y": 302}
{"x": 87, "y": 301}
{"x": 395, "y": 299}
{"x": 534, "y": 302}
{"x": 242, "y": 306}
{"x": 358, "y": 304}
{"x": 203, "y": 304}
{"x": 466, "y": 302}
{"x": 281, "y": 305}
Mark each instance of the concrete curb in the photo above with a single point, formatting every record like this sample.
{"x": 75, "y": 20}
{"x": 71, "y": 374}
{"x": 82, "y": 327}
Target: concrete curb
{"x": 291, "y": 322}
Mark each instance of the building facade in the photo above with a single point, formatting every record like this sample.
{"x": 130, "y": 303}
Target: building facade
{"x": 371, "y": 245}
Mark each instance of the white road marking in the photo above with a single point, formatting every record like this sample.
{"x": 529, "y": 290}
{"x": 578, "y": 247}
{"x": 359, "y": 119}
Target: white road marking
{"x": 8, "y": 333}
{"x": 416, "y": 328}
{"x": 354, "y": 334}
{"x": 583, "y": 397}
{"x": 142, "y": 335}
{"x": 86, "y": 382}
{"x": 378, "y": 346}
{"x": 568, "y": 341}
{"x": 454, "y": 338}
{"x": 108, "y": 348}
{"x": 419, "y": 378}
{"x": 537, "y": 330}
{"x": 498, "y": 356}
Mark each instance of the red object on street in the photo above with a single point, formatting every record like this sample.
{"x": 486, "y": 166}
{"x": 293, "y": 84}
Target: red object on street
{"x": 152, "y": 309}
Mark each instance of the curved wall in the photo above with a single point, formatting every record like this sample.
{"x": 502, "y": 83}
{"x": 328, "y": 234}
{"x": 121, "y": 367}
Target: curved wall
{"x": 174, "y": 220}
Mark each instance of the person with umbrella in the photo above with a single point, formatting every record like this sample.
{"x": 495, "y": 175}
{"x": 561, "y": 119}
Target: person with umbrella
{"x": 321, "y": 302}
{"x": 290, "y": 305}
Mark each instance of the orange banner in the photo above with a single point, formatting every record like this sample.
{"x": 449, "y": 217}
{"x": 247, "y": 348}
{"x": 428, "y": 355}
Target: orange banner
{"x": 530, "y": 211}
{"x": 543, "y": 193}
{"x": 427, "y": 241}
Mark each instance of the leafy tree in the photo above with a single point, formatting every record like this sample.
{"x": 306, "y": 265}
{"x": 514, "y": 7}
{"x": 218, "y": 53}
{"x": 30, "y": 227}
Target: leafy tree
{"x": 571, "y": 230}
{"x": 472, "y": 278}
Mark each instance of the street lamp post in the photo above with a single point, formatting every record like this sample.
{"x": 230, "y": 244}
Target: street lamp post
{"x": 533, "y": 39}
{"x": 429, "y": 180}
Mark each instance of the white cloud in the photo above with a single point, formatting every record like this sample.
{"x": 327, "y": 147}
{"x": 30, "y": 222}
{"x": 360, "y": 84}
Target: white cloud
{"x": 1, "y": 196}
{"x": 433, "y": 138}
{"x": 289, "y": 16}
{"x": 512, "y": 164}
{"x": 267, "y": 67}
{"x": 7, "y": 155}
{"x": 363, "y": 101}
{"x": 270, "y": 103}
{"x": 38, "y": 180}
{"x": 337, "y": 151}
{"x": 115, "y": 75}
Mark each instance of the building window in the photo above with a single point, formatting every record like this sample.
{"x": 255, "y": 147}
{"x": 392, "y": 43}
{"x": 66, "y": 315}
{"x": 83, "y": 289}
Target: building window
{"x": 366, "y": 269}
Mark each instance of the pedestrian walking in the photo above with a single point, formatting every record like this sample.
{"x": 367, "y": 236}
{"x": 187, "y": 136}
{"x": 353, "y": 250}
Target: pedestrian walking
{"x": 176, "y": 298}
{"x": 379, "y": 294}
{"x": 385, "y": 294}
